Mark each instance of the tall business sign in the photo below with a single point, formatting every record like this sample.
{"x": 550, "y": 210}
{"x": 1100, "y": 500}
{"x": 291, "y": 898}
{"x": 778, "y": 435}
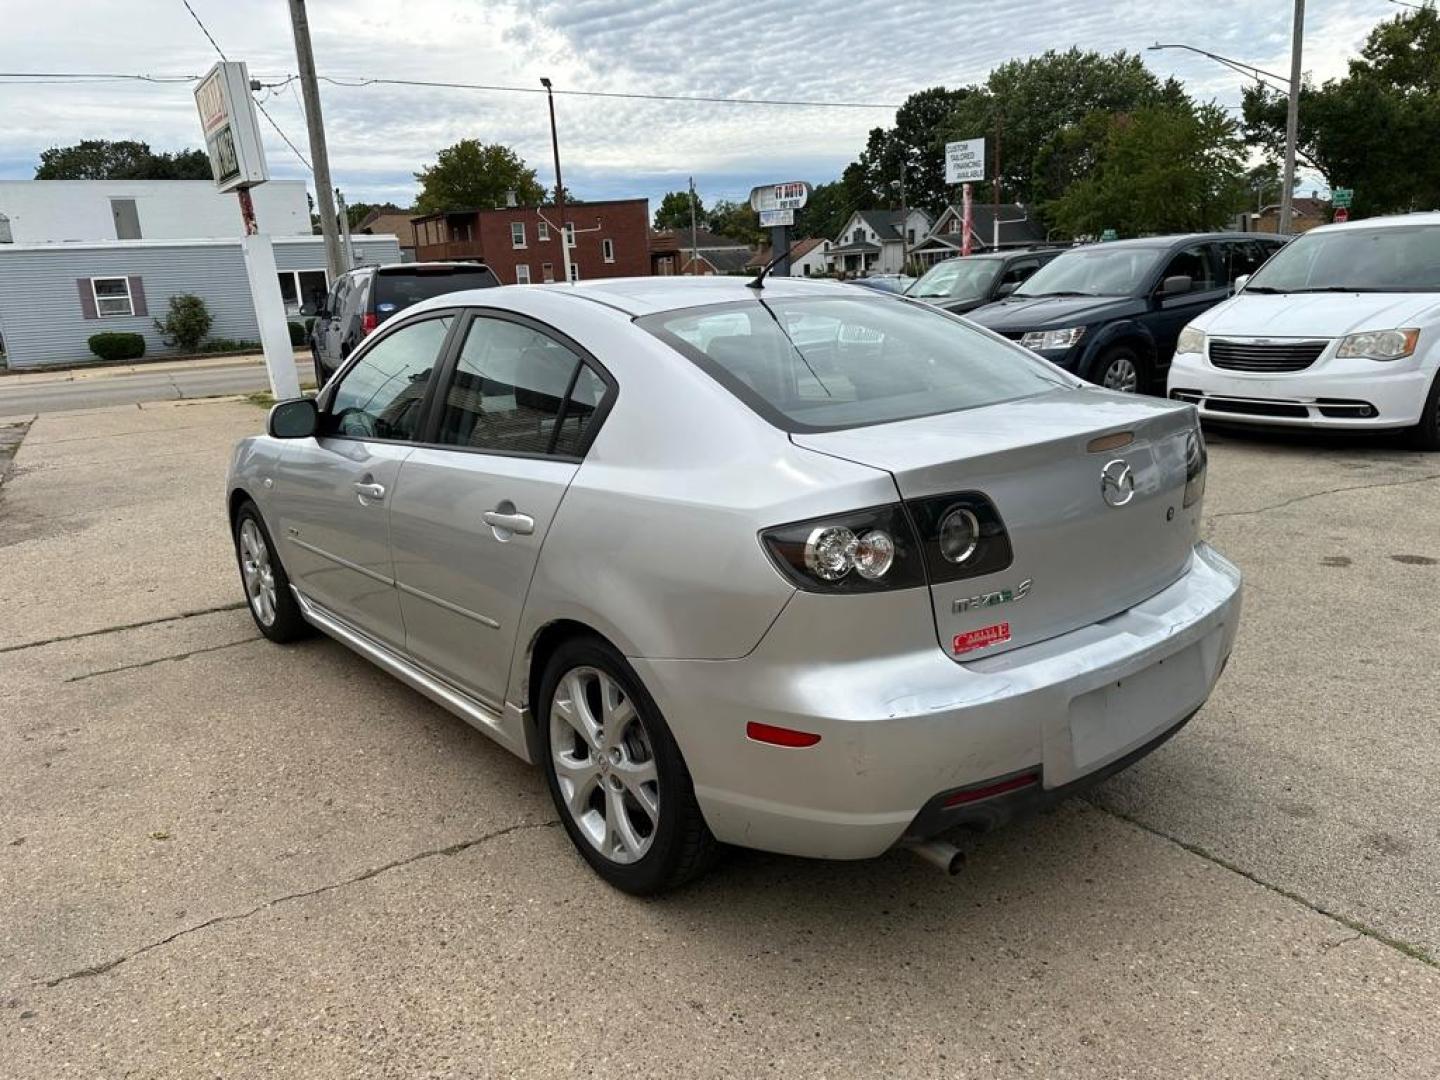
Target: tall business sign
{"x": 776, "y": 204}
{"x": 964, "y": 164}
{"x": 237, "y": 161}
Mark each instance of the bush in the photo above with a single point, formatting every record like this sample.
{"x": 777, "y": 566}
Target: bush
{"x": 225, "y": 344}
{"x": 186, "y": 324}
{"x": 297, "y": 333}
{"x": 114, "y": 347}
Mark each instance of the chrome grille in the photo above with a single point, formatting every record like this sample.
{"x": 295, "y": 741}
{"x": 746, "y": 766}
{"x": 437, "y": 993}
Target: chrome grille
{"x": 1267, "y": 356}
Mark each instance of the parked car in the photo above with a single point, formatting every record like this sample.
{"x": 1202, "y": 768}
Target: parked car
{"x": 1339, "y": 330}
{"x": 822, "y": 598}
{"x": 964, "y": 284}
{"x": 890, "y": 283}
{"x": 362, "y": 299}
{"x": 1112, "y": 313}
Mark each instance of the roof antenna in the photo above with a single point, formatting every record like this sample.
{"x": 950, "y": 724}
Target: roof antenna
{"x": 759, "y": 282}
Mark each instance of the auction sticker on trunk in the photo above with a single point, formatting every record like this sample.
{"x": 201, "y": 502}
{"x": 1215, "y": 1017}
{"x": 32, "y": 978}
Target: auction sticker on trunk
{"x": 979, "y": 639}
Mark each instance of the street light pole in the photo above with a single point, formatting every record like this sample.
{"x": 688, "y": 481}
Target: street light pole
{"x": 1292, "y": 120}
{"x": 559, "y": 184}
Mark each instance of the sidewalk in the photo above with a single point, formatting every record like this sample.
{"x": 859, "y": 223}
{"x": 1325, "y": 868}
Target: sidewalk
{"x": 101, "y": 370}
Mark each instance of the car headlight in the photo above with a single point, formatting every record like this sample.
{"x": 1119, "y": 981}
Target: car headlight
{"x": 1191, "y": 341}
{"x": 1378, "y": 345}
{"x": 1053, "y": 339}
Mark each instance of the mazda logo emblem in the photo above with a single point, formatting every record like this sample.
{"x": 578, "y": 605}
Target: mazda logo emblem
{"x": 1117, "y": 482}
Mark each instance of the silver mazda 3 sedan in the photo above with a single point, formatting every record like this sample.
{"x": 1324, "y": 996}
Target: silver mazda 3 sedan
{"x": 794, "y": 567}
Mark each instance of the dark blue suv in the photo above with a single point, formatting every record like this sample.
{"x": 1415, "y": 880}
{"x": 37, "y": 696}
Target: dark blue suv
{"x": 1112, "y": 313}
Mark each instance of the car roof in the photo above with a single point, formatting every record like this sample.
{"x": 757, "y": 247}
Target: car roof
{"x": 638, "y": 296}
{"x": 1177, "y": 240}
{"x": 1389, "y": 221}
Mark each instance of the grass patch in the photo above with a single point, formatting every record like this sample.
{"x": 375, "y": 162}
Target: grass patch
{"x": 262, "y": 399}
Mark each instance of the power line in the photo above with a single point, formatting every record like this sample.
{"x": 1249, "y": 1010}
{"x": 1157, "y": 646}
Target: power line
{"x": 203, "y": 30}
{"x": 80, "y": 78}
{"x": 280, "y": 131}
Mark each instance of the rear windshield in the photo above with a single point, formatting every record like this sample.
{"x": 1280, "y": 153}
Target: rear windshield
{"x": 397, "y": 290}
{"x": 824, "y": 364}
{"x": 1395, "y": 258}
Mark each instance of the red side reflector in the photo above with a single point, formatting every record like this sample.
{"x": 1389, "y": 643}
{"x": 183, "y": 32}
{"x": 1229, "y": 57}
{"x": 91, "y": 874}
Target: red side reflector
{"x": 779, "y": 736}
{"x": 960, "y": 798}
{"x": 368, "y": 322}
{"x": 979, "y": 639}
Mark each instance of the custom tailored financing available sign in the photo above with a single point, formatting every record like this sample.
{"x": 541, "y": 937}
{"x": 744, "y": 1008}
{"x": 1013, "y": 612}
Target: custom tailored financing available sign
{"x": 965, "y": 161}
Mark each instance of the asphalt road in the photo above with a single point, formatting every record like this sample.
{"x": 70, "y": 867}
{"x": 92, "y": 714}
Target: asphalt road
{"x": 227, "y": 858}
{"x": 98, "y": 387}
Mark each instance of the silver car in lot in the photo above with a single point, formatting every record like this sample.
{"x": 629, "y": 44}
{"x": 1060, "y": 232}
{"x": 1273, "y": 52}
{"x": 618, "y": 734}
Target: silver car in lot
{"x": 794, "y": 567}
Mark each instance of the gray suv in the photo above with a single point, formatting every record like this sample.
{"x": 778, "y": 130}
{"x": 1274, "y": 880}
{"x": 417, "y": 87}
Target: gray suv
{"x": 365, "y": 297}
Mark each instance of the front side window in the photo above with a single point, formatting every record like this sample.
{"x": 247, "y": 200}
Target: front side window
{"x": 382, "y": 395}
{"x": 112, "y": 297}
{"x": 510, "y": 390}
{"x": 607, "y": 249}
{"x": 517, "y": 234}
{"x": 1395, "y": 258}
{"x": 1194, "y": 263}
{"x": 826, "y": 364}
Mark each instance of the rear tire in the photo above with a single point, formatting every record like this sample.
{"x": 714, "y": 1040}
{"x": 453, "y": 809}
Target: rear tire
{"x": 267, "y": 587}
{"x": 1426, "y": 434}
{"x": 617, "y": 777}
{"x": 1122, "y": 368}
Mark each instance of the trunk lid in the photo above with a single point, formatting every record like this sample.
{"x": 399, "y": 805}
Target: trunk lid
{"x": 1083, "y": 558}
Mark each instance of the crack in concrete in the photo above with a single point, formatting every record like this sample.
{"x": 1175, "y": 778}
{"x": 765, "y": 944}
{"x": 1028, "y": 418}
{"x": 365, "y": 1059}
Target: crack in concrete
{"x": 124, "y": 626}
{"x": 375, "y": 871}
{"x": 161, "y": 659}
{"x": 1319, "y": 494}
{"x": 1415, "y": 952}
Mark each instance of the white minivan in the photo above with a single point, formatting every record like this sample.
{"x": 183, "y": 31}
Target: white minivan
{"x": 1339, "y": 329}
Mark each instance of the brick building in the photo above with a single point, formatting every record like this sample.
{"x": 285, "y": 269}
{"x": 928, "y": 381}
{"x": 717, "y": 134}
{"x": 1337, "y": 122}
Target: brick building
{"x": 522, "y": 243}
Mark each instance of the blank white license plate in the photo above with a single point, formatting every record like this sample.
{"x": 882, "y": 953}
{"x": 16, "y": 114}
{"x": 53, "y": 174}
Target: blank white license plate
{"x": 1114, "y": 719}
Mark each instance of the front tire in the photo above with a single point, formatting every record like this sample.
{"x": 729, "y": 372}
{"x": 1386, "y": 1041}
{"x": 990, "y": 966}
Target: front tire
{"x": 617, "y": 777}
{"x": 1122, "y": 368}
{"x": 267, "y": 587}
{"x": 1426, "y": 434}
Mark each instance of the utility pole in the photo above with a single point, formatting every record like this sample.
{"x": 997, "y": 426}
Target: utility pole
{"x": 559, "y": 184}
{"x": 319, "y": 156}
{"x": 694, "y": 244}
{"x": 904, "y": 221}
{"x": 1292, "y": 119}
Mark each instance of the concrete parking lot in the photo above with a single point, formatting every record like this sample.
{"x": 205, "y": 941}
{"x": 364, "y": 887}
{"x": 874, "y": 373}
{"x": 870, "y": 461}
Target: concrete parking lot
{"x": 220, "y": 857}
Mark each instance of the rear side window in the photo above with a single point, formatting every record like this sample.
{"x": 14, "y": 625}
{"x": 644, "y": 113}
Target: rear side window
{"x": 825, "y": 364}
{"x": 396, "y": 290}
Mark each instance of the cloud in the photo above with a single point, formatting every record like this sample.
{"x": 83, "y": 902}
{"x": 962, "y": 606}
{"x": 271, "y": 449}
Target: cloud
{"x": 860, "y": 50}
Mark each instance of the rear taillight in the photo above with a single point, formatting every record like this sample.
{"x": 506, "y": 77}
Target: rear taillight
{"x": 961, "y": 536}
{"x": 368, "y": 322}
{"x": 1196, "y": 460}
{"x": 867, "y": 551}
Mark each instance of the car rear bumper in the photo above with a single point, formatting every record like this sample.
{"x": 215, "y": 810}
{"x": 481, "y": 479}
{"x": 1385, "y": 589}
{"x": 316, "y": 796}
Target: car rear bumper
{"x": 902, "y": 725}
{"x": 1358, "y": 394}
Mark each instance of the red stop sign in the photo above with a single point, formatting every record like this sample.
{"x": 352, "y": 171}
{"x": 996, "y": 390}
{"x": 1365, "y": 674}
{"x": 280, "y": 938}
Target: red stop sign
{"x": 1342, "y": 214}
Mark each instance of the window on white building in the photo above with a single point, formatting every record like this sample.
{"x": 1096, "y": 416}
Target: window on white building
{"x": 112, "y": 297}
{"x": 607, "y": 249}
{"x": 517, "y": 234}
{"x": 303, "y": 291}
{"x": 543, "y": 230}
{"x": 522, "y": 274}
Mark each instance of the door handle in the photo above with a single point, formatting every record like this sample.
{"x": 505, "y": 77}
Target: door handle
{"x": 522, "y": 524}
{"x": 370, "y": 491}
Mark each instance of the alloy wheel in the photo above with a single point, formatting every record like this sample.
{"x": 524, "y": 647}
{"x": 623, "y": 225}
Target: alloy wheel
{"x": 1121, "y": 375}
{"x": 259, "y": 575}
{"x": 604, "y": 764}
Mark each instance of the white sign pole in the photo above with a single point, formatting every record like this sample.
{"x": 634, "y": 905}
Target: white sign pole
{"x": 270, "y": 315}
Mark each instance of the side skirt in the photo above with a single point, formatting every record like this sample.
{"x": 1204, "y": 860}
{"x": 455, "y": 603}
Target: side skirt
{"x": 508, "y": 730}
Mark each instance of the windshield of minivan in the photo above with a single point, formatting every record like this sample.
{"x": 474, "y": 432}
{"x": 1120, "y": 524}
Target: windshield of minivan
{"x": 397, "y": 290}
{"x": 1100, "y": 270}
{"x": 957, "y": 279}
{"x": 1395, "y": 258}
{"x": 828, "y": 363}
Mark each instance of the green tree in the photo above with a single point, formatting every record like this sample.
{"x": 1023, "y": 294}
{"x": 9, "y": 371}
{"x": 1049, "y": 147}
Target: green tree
{"x": 916, "y": 145}
{"x": 830, "y": 205}
{"x": 571, "y": 199}
{"x": 674, "y": 211}
{"x": 735, "y": 220}
{"x": 472, "y": 174}
{"x": 126, "y": 159}
{"x": 1373, "y": 130}
{"x": 1162, "y": 169}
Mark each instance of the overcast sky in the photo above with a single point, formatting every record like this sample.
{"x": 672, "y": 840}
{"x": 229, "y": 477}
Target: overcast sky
{"x": 857, "y": 51}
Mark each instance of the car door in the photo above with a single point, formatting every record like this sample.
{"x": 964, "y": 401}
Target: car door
{"x": 519, "y": 406}
{"x": 1167, "y": 315}
{"x": 332, "y": 493}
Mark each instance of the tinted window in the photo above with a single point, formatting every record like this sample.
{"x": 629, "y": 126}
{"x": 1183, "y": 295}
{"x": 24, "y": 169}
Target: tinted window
{"x": 1098, "y": 270}
{"x": 382, "y": 395}
{"x": 508, "y": 390}
{"x": 397, "y": 290}
{"x": 836, "y": 363}
{"x": 1397, "y": 258}
{"x": 1194, "y": 263}
{"x": 580, "y": 411}
{"x": 1019, "y": 271}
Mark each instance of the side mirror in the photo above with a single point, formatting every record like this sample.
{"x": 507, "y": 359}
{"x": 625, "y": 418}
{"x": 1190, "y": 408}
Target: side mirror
{"x": 1240, "y": 283}
{"x": 1005, "y": 289}
{"x": 1176, "y": 284}
{"x": 298, "y": 418}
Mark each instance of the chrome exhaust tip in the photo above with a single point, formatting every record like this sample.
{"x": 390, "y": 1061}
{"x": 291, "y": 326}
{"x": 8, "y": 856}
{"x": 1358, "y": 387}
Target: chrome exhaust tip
{"x": 939, "y": 854}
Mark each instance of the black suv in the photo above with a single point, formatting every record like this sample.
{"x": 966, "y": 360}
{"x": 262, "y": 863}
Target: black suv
{"x": 964, "y": 284}
{"x": 364, "y": 298}
{"x": 1112, "y": 312}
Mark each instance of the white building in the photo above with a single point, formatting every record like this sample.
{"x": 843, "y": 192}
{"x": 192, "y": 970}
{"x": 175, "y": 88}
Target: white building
{"x": 811, "y": 258}
{"x": 876, "y": 241}
{"x": 60, "y": 211}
